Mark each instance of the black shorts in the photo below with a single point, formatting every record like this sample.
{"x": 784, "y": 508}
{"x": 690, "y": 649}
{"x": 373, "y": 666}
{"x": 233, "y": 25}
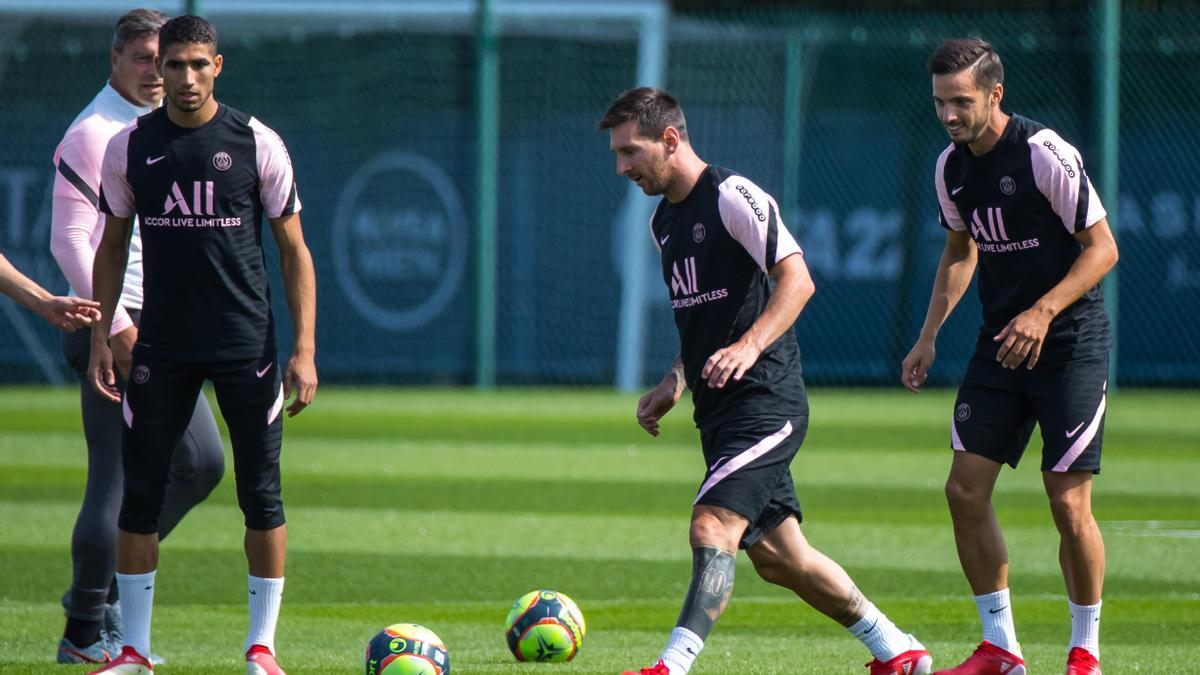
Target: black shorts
{"x": 749, "y": 471}
{"x": 997, "y": 408}
{"x": 159, "y": 400}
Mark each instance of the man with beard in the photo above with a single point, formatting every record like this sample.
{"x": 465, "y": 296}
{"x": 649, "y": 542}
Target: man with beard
{"x": 737, "y": 282}
{"x": 1014, "y": 196}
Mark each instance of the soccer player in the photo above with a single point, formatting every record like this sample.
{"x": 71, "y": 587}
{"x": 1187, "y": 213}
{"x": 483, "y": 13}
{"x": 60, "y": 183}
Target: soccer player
{"x": 93, "y": 630}
{"x": 737, "y": 282}
{"x": 67, "y": 314}
{"x": 200, "y": 176}
{"x": 1014, "y": 196}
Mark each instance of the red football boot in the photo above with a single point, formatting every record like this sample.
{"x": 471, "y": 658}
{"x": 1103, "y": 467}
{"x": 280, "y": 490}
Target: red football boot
{"x": 260, "y": 661}
{"x": 988, "y": 659}
{"x": 911, "y": 662}
{"x": 129, "y": 662}
{"x": 1082, "y": 662}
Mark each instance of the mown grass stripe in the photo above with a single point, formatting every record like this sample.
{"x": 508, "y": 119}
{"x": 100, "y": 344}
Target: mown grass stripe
{"x": 443, "y": 506}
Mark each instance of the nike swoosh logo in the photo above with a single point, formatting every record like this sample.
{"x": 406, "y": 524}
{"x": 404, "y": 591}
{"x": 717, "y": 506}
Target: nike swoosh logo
{"x": 1071, "y": 433}
{"x": 154, "y": 160}
{"x": 663, "y": 241}
{"x": 84, "y": 658}
{"x": 262, "y": 372}
{"x": 868, "y": 631}
{"x": 956, "y": 190}
{"x": 149, "y": 587}
{"x": 997, "y": 611}
{"x": 252, "y": 592}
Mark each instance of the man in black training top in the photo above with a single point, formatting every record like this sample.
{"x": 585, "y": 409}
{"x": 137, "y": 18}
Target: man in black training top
{"x": 737, "y": 282}
{"x": 200, "y": 176}
{"x": 93, "y": 624}
{"x": 1014, "y": 196}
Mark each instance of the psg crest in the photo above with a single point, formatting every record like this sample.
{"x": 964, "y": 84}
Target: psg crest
{"x": 1008, "y": 185}
{"x": 222, "y": 161}
{"x": 963, "y": 412}
{"x": 698, "y": 232}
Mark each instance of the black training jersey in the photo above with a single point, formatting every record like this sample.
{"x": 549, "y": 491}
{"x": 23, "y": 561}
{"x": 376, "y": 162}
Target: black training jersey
{"x": 200, "y": 195}
{"x": 717, "y": 246}
{"x": 1022, "y": 202}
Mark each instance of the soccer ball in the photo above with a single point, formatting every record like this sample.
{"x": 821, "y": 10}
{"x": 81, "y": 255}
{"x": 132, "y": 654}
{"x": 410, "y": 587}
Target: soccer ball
{"x": 544, "y": 626}
{"x": 407, "y": 649}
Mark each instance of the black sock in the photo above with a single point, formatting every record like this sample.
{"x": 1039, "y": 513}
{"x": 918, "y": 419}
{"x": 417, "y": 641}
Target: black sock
{"x": 83, "y": 632}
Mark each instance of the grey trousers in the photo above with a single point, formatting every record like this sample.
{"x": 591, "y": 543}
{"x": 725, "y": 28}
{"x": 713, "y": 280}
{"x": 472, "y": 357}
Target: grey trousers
{"x": 197, "y": 465}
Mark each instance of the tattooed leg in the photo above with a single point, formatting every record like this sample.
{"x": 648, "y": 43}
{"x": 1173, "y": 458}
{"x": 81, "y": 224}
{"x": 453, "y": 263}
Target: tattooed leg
{"x": 709, "y": 592}
{"x": 856, "y": 606}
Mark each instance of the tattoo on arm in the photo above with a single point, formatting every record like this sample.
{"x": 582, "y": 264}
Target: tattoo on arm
{"x": 677, "y": 371}
{"x": 856, "y": 606}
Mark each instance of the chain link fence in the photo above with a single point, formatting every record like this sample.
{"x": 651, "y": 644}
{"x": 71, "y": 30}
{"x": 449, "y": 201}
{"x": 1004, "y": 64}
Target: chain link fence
{"x": 830, "y": 112}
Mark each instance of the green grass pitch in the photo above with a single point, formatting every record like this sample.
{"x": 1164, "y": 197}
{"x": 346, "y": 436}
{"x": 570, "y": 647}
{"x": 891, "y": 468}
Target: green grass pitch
{"x": 442, "y": 507}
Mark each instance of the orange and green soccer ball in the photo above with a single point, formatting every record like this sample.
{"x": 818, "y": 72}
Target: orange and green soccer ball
{"x": 544, "y": 626}
{"x": 407, "y": 649}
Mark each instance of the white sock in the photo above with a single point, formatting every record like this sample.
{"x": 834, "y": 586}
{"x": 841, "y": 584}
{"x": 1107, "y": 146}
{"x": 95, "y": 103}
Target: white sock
{"x": 681, "y": 651}
{"x": 265, "y": 596}
{"x": 995, "y": 613}
{"x": 880, "y": 635}
{"x": 1085, "y": 627}
{"x": 137, "y": 604}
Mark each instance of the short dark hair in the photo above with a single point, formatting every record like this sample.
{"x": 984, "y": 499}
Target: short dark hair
{"x": 957, "y": 54}
{"x": 137, "y": 23}
{"x": 187, "y": 29}
{"x": 654, "y": 110}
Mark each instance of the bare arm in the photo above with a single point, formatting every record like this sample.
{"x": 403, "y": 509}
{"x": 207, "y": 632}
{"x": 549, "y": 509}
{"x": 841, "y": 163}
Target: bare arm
{"x": 953, "y": 278}
{"x": 793, "y": 288}
{"x": 20, "y": 287}
{"x": 657, "y": 402}
{"x": 63, "y": 313}
{"x": 1024, "y": 335}
{"x": 108, "y": 271}
{"x": 300, "y": 286}
{"x": 676, "y": 374}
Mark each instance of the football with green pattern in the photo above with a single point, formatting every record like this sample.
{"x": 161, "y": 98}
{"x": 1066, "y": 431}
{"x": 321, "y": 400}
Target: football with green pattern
{"x": 544, "y": 625}
{"x": 407, "y": 649}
